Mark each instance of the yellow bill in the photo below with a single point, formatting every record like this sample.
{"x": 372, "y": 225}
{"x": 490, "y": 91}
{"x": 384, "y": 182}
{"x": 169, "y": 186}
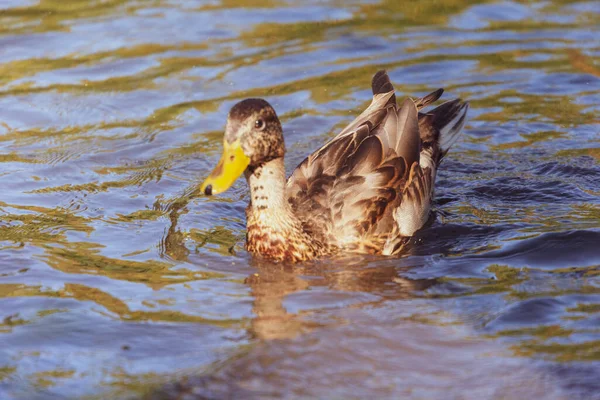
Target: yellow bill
{"x": 232, "y": 164}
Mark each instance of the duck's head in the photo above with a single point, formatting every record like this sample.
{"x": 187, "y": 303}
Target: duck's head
{"x": 253, "y": 136}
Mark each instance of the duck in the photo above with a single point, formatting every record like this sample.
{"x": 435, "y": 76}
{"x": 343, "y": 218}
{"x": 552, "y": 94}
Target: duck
{"x": 366, "y": 191}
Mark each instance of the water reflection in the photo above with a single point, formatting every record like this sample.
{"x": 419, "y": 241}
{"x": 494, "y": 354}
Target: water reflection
{"x": 273, "y": 282}
{"x": 116, "y": 278}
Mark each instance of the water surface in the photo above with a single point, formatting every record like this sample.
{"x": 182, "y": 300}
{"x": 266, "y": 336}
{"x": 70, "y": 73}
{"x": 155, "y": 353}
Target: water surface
{"x": 117, "y": 281}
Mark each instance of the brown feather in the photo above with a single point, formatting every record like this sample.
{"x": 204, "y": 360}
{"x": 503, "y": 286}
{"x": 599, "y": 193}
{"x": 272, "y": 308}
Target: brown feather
{"x": 408, "y": 145}
{"x": 357, "y": 190}
{"x": 367, "y": 181}
{"x": 449, "y": 118}
{"x": 430, "y": 98}
{"x": 381, "y": 84}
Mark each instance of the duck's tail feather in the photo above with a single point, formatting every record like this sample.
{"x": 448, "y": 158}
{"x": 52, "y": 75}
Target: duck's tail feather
{"x": 440, "y": 128}
{"x": 430, "y": 98}
{"x": 450, "y": 121}
{"x": 381, "y": 84}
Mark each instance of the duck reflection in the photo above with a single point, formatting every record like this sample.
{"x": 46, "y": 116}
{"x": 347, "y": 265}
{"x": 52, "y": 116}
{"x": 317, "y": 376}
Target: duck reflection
{"x": 172, "y": 244}
{"x": 272, "y": 283}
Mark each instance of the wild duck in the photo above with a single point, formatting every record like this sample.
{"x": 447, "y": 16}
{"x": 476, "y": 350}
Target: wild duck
{"x": 365, "y": 191}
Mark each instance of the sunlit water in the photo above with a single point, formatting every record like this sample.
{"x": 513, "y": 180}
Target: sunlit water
{"x": 117, "y": 281}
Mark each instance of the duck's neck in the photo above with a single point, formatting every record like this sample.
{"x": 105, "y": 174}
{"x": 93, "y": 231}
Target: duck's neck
{"x": 274, "y": 231}
{"x": 267, "y": 189}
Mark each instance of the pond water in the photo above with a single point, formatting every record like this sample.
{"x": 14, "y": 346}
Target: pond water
{"x": 118, "y": 281}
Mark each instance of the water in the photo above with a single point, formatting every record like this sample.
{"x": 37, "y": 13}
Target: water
{"x": 116, "y": 281}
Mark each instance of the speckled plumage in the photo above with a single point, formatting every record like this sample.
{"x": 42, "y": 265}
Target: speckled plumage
{"x": 365, "y": 191}
{"x": 273, "y": 229}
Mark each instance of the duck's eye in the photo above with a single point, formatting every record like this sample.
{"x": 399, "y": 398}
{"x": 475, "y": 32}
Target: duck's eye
{"x": 259, "y": 124}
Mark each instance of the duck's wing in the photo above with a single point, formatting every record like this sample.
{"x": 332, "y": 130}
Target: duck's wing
{"x": 439, "y": 129}
{"x": 348, "y": 189}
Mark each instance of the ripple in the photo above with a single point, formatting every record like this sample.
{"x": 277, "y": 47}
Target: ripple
{"x": 529, "y": 313}
{"x": 526, "y": 191}
{"x": 117, "y": 280}
{"x": 553, "y": 250}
